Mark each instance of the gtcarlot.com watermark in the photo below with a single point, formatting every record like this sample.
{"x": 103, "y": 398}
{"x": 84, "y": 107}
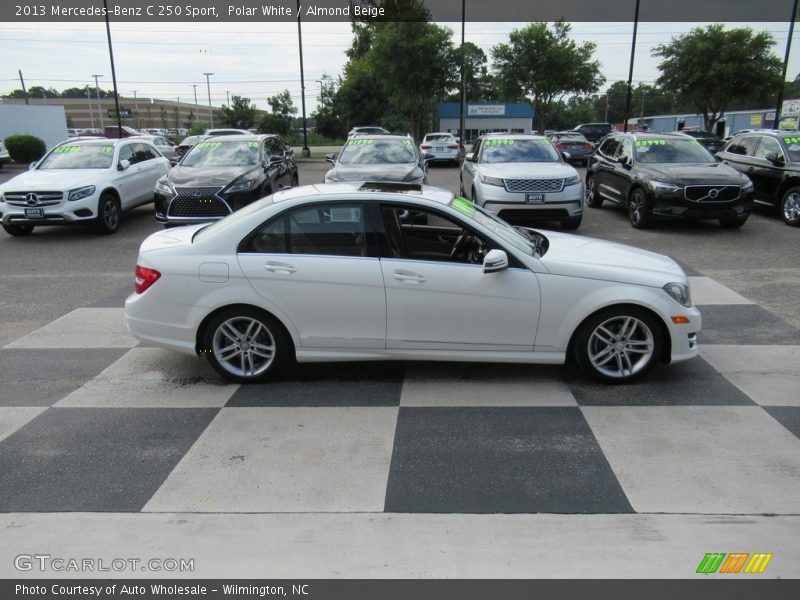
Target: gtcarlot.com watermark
{"x": 47, "y": 563}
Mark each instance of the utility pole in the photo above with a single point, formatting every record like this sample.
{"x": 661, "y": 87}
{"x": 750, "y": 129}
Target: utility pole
{"x": 113, "y": 70}
{"x": 210, "y": 110}
{"x": 178, "y": 124}
{"x": 24, "y": 90}
{"x": 89, "y": 100}
{"x": 630, "y": 71}
{"x": 606, "y": 107}
{"x": 97, "y": 92}
{"x": 228, "y": 95}
{"x": 194, "y": 85}
{"x": 462, "y": 133}
{"x": 136, "y": 108}
{"x": 306, "y": 151}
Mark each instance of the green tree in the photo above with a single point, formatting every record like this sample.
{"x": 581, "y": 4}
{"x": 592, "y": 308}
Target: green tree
{"x": 163, "y": 117}
{"x": 240, "y": 114}
{"x": 712, "y": 68}
{"x": 279, "y": 120}
{"x": 543, "y": 63}
{"x": 328, "y": 116}
{"x": 478, "y": 83}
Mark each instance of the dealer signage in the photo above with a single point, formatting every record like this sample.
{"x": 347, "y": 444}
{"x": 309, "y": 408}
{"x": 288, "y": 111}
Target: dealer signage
{"x": 486, "y": 110}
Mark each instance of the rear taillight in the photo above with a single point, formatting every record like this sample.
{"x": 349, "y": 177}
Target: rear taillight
{"x": 587, "y": 146}
{"x": 453, "y": 146}
{"x": 145, "y": 277}
{"x": 426, "y": 146}
{"x": 560, "y": 145}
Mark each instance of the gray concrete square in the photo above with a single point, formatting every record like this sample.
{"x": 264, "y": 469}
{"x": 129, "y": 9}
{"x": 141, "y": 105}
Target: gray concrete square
{"x": 788, "y": 416}
{"x": 747, "y": 324}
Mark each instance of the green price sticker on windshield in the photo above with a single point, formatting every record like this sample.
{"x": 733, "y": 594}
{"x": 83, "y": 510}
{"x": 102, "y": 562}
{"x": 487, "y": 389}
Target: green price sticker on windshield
{"x": 463, "y": 205}
{"x": 358, "y": 142}
{"x": 67, "y": 149}
{"x": 644, "y": 143}
{"x": 252, "y": 144}
{"x": 209, "y": 144}
{"x": 499, "y": 142}
{"x": 107, "y": 149}
{"x": 545, "y": 142}
{"x": 791, "y": 140}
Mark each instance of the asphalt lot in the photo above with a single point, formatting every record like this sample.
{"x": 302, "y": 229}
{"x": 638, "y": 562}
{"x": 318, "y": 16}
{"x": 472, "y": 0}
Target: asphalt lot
{"x": 387, "y": 470}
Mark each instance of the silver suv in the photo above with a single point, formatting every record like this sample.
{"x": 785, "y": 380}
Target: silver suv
{"x": 523, "y": 178}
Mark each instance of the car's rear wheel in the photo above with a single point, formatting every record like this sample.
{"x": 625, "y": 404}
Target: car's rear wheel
{"x": 18, "y": 230}
{"x": 571, "y": 224}
{"x": 593, "y": 199}
{"x": 639, "y": 210}
{"x": 618, "y": 344}
{"x": 109, "y": 214}
{"x": 245, "y": 345}
{"x": 790, "y": 207}
{"x": 733, "y": 222}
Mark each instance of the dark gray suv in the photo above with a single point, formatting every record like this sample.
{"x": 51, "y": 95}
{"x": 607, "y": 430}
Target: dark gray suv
{"x": 594, "y": 131}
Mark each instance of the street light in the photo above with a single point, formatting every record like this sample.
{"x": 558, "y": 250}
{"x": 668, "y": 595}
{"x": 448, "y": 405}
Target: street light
{"x": 210, "y": 110}
{"x": 194, "y": 85}
{"x": 97, "y": 91}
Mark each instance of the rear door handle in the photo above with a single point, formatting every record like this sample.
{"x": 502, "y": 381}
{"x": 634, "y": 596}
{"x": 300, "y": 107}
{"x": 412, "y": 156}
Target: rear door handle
{"x": 276, "y": 267}
{"x": 408, "y": 276}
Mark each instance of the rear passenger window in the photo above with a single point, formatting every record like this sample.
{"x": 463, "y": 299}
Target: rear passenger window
{"x": 331, "y": 230}
{"x": 742, "y": 146}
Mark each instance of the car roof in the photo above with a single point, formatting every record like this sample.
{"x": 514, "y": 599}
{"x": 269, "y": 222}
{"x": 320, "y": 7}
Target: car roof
{"x": 239, "y": 137}
{"x": 639, "y": 135}
{"x": 382, "y": 136}
{"x": 103, "y": 141}
{"x": 515, "y": 136}
{"x": 367, "y": 190}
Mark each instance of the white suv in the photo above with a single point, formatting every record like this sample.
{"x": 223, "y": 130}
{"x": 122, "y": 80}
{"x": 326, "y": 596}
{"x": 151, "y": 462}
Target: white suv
{"x": 82, "y": 181}
{"x": 523, "y": 178}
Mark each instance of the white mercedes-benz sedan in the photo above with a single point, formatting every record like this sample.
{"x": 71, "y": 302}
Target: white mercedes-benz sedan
{"x": 341, "y": 272}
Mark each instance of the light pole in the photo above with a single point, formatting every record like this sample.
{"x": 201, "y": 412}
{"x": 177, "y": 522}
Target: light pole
{"x": 306, "y": 151}
{"x": 779, "y": 106}
{"x": 630, "y": 70}
{"x": 228, "y": 96}
{"x": 113, "y": 70}
{"x": 178, "y": 124}
{"x": 136, "y": 108}
{"x": 91, "y": 110}
{"x": 208, "y": 87}
{"x": 461, "y": 133}
{"x": 194, "y": 85}
{"x": 97, "y": 92}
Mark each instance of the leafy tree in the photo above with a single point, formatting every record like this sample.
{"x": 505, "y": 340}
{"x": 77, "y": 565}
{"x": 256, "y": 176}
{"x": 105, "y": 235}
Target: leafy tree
{"x": 713, "y": 68}
{"x": 543, "y": 63}
{"x": 163, "y": 116}
{"x": 241, "y": 114}
{"x": 478, "y": 83}
{"x": 328, "y": 115}
{"x": 280, "y": 119}
{"x": 190, "y": 119}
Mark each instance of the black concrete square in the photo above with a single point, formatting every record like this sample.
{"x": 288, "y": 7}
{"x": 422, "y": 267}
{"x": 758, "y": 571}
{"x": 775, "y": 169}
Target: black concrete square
{"x": 688, "y": 383}
{"x": 744, "y": 324}
{"x": 788, "y": 416}
{"x": 500, "y": 460}
{"x": 328, "y": 384}
{"x": 115, "y": 299}
{"x": 95, "y": 459}
{"x": 43, "y": 377}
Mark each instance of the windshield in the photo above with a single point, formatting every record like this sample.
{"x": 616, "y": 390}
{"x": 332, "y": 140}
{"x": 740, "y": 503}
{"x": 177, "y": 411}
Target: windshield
{"x": 502, "y": 150}
{"x": 793, "y": 147}
{"x": 495, "y": 224}
{"x": 360, "y": 151}
{"x": 222, "y": 154}
{"x": 75, "y": 156}
{"x": 672, "y": 151}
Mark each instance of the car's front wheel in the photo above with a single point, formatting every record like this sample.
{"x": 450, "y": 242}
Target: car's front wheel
{"x": 638, "y": 210}
{"x": 790, "y": 207}
{"x": 593, "y": 199}
{"x": 18, "y": 230}
{"x": 618, "y": 344}
{"x": 109, "y": 214}
{"x": 245, "y": 345}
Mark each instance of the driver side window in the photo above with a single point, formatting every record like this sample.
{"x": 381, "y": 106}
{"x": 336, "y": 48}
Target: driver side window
{"x": 425, "y": 235}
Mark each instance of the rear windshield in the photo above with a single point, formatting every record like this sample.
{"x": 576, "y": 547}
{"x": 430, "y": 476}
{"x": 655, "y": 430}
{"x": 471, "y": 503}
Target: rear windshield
{"x": 442, "y": 137}
{"x": 365, "y": 151}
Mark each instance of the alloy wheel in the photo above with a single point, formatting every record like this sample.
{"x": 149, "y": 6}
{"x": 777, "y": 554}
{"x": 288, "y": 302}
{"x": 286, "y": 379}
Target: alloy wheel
{"x": 244, "y": 346}
{"x": 621, "y": 347}
{"x": 791, "y": 207}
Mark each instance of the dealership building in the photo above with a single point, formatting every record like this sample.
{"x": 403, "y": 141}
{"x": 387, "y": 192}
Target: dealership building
{"x": 480, "y": 118}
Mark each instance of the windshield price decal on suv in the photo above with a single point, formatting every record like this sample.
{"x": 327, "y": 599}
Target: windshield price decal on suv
{"x": 644, "y": 143}
{"x": 499, "y": 143}
{"x": 67, "y": 149}
{"x": 107, "y": 149}
{"x": 791, "y": 140}
{"x": 209, "y": 145}
{"x": 463, "y": 205}
{"x": 407, "y": 142}
{"x": 252, "y": 144}
{"x": 361, "y": 142}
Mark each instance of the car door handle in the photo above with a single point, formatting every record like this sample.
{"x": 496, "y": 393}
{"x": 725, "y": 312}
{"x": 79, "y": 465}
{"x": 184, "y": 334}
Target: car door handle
{"x": 276, "y": 267}
{"x": 409, "y": 277}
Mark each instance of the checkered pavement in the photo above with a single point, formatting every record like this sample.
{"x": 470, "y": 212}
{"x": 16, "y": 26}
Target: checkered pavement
{"x": 92, "y": 422}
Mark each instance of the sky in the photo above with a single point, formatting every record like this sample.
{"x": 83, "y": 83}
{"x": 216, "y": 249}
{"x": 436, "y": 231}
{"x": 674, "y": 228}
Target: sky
{"x": 259, "y": 59}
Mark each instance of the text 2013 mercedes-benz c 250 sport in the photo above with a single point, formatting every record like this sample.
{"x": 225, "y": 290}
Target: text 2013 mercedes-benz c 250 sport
{"x": 332, "y": 272}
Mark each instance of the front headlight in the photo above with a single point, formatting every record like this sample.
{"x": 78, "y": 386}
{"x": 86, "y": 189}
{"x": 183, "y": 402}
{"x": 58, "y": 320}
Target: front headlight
{"x": 575, "y": 180}
{"x": 163, "y": 187}
{"x": 679, "y": 292}
{"x": 747, "y": 187}
{"x": 241, "y": 186}
{"x": 81, "y": 193}
{"x": 491, "y": 180}
{"x": 662, "y": 186}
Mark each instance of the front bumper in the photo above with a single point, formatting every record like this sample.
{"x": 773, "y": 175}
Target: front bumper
{"x": 513, "y": 206}
{"x": 683, "y": 338}
{"x": 66, "y": 212}
{"x": 175, "y": 210}
{"x": 674, "y": 205}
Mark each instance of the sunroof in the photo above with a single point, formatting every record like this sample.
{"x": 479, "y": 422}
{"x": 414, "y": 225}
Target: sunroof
{"x": 391, "y": 186}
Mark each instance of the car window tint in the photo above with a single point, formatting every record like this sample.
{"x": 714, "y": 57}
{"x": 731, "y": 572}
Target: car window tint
{"x": 269, "y": 239}
{"x": 743, "y": 146}
{"x": 625, "y": 153}
{"x": 336, "y": 230}
{"x": 769, "y": 148}
{"x": 609, "y": 147}
{"x": 368, "y": 151}
{"x": 141, "y": 153}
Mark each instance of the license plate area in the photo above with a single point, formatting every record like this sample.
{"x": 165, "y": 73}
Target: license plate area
{"x": 534, "y": 198}
{"x": 34, "y": 213}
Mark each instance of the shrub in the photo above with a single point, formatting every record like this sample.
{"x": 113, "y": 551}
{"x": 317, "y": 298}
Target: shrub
{"x": 25, "y": 148}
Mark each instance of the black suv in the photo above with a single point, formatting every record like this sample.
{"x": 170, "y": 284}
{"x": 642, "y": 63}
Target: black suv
{"x": 220, "y": 175}
{"x": 771, "y": 159}
{"x": 666, "y": 175}
{"x": 594, "y": 131}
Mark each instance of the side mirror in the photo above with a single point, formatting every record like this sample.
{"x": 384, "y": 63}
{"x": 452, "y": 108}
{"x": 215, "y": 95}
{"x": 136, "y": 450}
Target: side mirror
{"x": 566, "y": 155}
{"x": 469, "y": 157}
{"x": 32, "y": 166}
{"x": 124, "y": 164}
{"x": 274, "y": 161}
{"x": 775, "y": 159}
{"x": 331, "y": 158}
{"x": 494, "y": 261}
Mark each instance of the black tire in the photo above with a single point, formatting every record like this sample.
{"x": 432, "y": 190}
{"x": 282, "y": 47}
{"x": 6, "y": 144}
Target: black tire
{"x": 109, "y": 214}
{"x": 639, "y": 209}
{"x": 240, "y": 363}
{"x": 642, "y": 345}
{"x": 18, "y": 230}
{"x": 790, "y": 206}
{"x": 295, "y": 180}
{"x": 461, "y": 191}
{"x": 571, "y": 224}
{"x": 733, "y": 222}
{"x": 592, "y": 197}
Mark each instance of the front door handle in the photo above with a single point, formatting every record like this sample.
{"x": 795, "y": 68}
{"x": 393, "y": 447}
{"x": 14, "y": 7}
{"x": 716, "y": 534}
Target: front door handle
{"x": 277, "y": 267}
{"x": 408, "y": 276}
